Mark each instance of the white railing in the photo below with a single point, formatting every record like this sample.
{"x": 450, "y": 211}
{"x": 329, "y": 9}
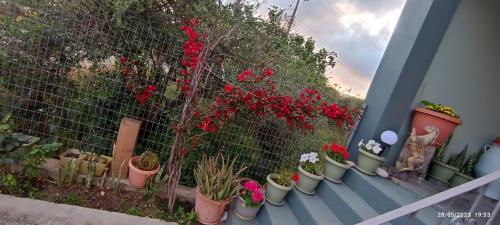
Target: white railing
{"x": 413, "y": 208}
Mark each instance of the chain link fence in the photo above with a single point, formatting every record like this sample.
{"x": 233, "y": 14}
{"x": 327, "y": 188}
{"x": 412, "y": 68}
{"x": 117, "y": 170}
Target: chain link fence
{"x": 61, "y": 79}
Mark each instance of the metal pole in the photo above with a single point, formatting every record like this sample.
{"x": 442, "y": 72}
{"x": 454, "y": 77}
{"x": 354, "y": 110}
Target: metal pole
{"x": 493, "y": 213}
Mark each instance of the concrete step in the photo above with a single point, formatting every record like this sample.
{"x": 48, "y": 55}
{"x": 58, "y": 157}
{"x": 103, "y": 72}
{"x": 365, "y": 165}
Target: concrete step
{"x": 277, "y": 215}
{"x": 343, "y": 201}
{"x": 311, "y": 210}
{"x": 384, "y": 195}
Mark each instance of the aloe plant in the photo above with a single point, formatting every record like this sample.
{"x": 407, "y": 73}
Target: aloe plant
{"x": 216, "y": 177}
{"x": 468, "y": 167}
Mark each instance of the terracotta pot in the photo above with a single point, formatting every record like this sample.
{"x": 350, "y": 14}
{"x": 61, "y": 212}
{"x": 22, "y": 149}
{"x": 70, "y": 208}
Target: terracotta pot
{"x": 137, "y": 177}
{"x": 275, "y": 193}
{"x": 442, "y": 172}
{"x": 424, "y": 117}
{"x": 334, "y": 171}
{"x": 368, "y": 162}
{"x": 64, "y": 159}
{"x": 208, "y": 211}
{"x": 99, "y": 168}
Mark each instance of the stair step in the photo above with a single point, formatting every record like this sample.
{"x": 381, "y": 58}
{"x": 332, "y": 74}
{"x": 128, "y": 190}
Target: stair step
{"x": 310, "y": 209}
{"x": 384, "y": 195}
{"x": 277, "y": 215}
{"x": 343, "y": 201}
{"x": 232, "y": 219}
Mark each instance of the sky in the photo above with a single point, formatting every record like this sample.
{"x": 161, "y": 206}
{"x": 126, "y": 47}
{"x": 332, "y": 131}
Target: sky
{"x": 357, "y": 30}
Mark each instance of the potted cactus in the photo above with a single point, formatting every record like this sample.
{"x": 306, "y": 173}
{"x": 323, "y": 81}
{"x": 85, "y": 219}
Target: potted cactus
{"x": 217, "y": 183}
{"x": 250, "y": 199}
{"x": 143, "y": 167}
{"x": 335, "y": 162}
{"x": 279, "y": 184}
{"x": 310, "y": 175}
{"x": 101, "y": 162}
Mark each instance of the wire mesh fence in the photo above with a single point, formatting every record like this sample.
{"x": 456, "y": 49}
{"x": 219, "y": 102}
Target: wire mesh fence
{"x": 61, "y": 79}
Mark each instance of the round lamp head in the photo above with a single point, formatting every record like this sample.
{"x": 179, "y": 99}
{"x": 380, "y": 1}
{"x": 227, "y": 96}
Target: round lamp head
{"x": 389, "y": 137}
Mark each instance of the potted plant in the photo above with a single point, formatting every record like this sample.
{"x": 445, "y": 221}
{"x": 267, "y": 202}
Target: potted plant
{"x": 466, "y": 167}
{"x": 142, "y": 167}
{"x": 279, "y": 184}
{"x": 310, "y": 175}
{"x": 250, "y": 199}
{"x": 368, "y": 157}
{"x": 440, "y": 170}
{"x": 217, "y": 183}
{"x": 335, "y": 162}
{"x": 101, "y": 163}
{"x": 441, "y": 116}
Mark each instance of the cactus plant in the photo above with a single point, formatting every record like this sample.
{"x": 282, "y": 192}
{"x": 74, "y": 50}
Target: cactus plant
{"x": 147, "y": 161}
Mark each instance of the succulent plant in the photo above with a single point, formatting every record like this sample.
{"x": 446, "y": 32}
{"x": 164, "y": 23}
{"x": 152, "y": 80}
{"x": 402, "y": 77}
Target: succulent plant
{"x": 458, "y": 159}
{"x": 468, "y": 167}
{"x": 216, "y": 177}
{"x": 147, "y": 161}
{"x": 12, "y": 145}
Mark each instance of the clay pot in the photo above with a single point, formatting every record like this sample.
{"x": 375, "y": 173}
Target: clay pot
{"x": 424, "y": 117}
{"x": 208, "y": 211}
{"x": 67, "y": 156}
{"x": 137, "y": 177}
{"x": 102, "y": 163}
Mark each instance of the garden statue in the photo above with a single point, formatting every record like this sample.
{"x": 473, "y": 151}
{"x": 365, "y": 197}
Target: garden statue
{"x": 417, "y": 151}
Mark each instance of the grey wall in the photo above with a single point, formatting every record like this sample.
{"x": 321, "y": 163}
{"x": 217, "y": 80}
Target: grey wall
{"x": 465, "y": 73}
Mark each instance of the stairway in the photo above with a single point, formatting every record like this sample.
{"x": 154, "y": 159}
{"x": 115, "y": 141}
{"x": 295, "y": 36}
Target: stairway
{"x": 359, "y": 198}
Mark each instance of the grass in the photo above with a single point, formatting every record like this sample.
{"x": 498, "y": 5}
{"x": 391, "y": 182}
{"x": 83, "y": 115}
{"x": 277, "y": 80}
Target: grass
{"x": 72, "y": 199}
{"x": 134, "y": 211}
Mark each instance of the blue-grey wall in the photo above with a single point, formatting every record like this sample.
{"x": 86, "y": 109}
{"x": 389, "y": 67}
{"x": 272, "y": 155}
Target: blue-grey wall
{"x": 465, "y": 73}
{"x": 403, "y": 67}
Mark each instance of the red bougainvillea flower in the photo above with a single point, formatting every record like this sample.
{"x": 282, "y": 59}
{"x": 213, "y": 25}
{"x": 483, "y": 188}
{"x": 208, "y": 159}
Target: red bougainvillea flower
{"x": 123, "y": 59}
{"x": 228, "y": 88}
{"x": 295, "y": 177}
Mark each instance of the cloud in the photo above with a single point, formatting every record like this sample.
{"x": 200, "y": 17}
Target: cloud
{"x": 358, "y": 30}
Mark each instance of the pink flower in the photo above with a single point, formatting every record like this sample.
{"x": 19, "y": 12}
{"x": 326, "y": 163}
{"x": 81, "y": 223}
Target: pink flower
{"x": 257, "y": 197}
{"x": 251, "y": 186}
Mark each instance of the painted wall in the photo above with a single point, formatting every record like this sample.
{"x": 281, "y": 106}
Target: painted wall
{"x": 465, "y": 73}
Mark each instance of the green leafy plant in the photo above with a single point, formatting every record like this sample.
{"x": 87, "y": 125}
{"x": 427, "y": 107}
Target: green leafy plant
{"x": 467, "y": 167}
{"x": 135, "y": 211}
{"x": 458, "y": 159}
{"x": 8, "y": 180}
{"x": 90, "y": 171}
{"x": 67, "y": 173}
{"x": 216, "y": 177}
{"x": 13, "y": 145}
{"x": 37, "y": 157}
{"x": 184, "y": 217}
{"x": 147, "y": 161}
{"x": 442, "y": 150}
{"x": 72, "y": 199}
{"x": 117, "y": 184}
{"x": 285, "y": 175}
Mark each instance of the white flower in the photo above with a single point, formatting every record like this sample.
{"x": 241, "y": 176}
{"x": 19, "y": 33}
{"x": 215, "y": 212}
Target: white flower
{"x": 313, "y": 157}
{"x": 304, "y": 158}
{"x": 377, "y": 149}
{"x": 361, "y": 143}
